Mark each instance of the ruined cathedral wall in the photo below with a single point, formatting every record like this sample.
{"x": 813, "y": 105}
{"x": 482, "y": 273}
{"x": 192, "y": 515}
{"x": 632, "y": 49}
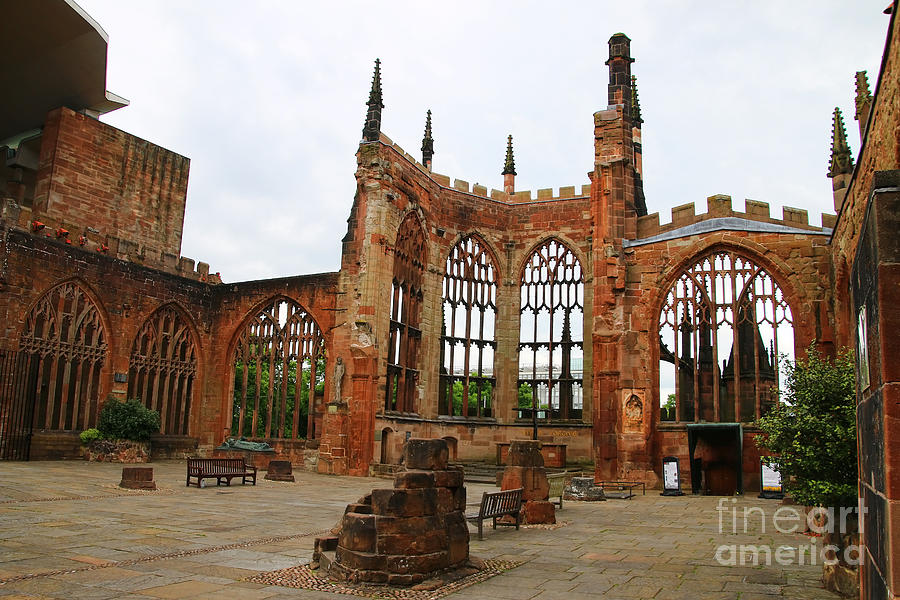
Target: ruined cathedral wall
{"x": 125, "y": 294}
{"x": 391, "y": 185}
{"x": 799, "y": 263}
{"x": 880, "y": 152}
{"x": 234, "y": 305}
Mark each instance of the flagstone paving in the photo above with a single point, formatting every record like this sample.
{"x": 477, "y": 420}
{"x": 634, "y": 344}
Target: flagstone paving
{"x": 68, "y": 531}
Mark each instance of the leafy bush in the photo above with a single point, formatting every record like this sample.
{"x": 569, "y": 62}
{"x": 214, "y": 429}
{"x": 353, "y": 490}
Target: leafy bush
{"x": 89, "y": 435}
{"x": 813, "y": 431}
{"x": 129, "y": 420}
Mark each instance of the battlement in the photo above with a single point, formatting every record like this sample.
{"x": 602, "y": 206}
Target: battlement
{"x": 92, "y": 240}
{"x": 459, "y": 185}
{"x": 720, "y": 206}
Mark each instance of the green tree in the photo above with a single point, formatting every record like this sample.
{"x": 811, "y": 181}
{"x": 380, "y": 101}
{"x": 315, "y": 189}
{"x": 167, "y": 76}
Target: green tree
{"x": 487, "y": 392}
{"x": 525, "y": 397}
{"x": 812, "y": 430}
{"x": 282, "y": 424}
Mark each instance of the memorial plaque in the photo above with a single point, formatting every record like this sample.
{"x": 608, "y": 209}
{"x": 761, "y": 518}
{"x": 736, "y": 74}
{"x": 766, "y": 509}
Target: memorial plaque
{"x": 671, "y": 477}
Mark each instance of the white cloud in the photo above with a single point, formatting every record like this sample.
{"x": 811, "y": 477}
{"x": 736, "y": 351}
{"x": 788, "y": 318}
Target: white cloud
{"x": 268, "y": 100}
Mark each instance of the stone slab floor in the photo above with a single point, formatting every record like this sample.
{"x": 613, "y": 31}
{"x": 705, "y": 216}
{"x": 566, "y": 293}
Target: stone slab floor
{"x": 68, "y": 531}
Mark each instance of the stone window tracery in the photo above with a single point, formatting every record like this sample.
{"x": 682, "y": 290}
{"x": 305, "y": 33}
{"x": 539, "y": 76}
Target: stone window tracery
{"x": 405, "y": 337}
{"x": 278, "y": 372}
{"x": 467, "y": 334}
{"x": 723, "y": 326}
{"x": 551, "y": 350}
{"x": 64, "y": 331}
{"x": 162, "y": 369}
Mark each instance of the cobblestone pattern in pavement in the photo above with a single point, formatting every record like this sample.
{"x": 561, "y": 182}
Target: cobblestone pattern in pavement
{"x": 67, "y": 531}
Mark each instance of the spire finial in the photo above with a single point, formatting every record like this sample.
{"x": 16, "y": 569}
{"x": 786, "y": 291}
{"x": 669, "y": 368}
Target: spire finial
{"x": 635, "y": 103}
{"x": 841, "y": 159}
{"x": 863, "y": 95}
{"x": 509, "y": 166}
{"x": 372, "y": 126}
{"x": 427, "y": 142}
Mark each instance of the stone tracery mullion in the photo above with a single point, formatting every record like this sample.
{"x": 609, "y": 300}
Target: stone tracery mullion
{"x": 552, "y": 281}
{"x": 265, "y": 353}
{"x": 721, "y": 297}
{"x": 162, "y": 367}
{"x": 468, "y": 282}
{"x": 64, "y": 331}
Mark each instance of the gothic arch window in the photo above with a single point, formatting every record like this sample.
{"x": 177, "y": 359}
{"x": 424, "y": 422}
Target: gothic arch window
{"x": 162, "y": 369}
{"x": 65, "y": 334}
{"x": 279, "y": 370}
{"x": 405, "y": 337}
{"x": 551, "y": 349}
{"x": 724, "y": 324}
{"x": 467, "y": 331}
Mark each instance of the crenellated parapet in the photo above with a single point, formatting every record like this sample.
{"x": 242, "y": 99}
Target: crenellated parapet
{"x": 720, "y": 207}
{"x": 89, "y": 239}
{"x": 460, "y": 185}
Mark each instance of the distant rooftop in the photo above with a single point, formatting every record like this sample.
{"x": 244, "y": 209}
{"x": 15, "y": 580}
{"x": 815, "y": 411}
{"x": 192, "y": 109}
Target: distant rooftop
{"x": 58, "y": 59}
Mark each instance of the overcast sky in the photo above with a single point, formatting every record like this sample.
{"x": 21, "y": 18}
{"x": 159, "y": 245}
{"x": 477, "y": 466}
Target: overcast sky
{"x": 267, "y": 99}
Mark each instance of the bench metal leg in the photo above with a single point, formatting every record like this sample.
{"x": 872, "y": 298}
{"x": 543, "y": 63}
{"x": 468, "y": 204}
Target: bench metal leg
{"x": 480, "y": 533}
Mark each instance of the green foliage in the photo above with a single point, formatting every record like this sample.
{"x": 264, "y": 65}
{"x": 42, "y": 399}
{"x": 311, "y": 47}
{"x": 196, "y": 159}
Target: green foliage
{"x": 282, "y": 425}
{"x": 129, "y": 420}
{"x": 670, "y": 402}
{"x": 486, "y": 394}
{"x": 813, "y": 431}
{"x": 667, "y": 410}
{"x": 89, "y": 435}
{"x": 525, "y": 397}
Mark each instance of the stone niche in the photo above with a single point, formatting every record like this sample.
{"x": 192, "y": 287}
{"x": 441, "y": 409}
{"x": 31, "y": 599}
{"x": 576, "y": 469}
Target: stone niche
{"x": 405, "y": 534}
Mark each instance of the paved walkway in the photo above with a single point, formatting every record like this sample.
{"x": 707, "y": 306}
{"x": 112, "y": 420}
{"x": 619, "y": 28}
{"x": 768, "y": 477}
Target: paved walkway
{"x": 68, "y": 531}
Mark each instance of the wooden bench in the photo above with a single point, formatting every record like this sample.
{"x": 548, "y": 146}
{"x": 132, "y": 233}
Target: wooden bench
{"x": 498, "y": 504}
{"x": 557, "y": 488}
{"x": 220, "y": 469}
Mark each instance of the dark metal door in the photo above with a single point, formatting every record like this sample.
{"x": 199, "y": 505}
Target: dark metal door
{"x": 17, "y": 395}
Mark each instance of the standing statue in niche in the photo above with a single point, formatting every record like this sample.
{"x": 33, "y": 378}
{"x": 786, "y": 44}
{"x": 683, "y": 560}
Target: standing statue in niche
{"x": 338, "y": 376}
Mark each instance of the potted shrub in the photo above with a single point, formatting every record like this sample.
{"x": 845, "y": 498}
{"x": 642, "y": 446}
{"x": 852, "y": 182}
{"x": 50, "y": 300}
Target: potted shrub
{"x": 122, "y": 434}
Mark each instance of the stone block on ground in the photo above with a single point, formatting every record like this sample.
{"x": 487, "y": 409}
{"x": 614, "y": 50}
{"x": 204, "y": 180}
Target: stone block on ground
{"x": 583, "y": 489}
{"x": 280, "y": 470}
{"x": 537, "y": 512}
{"x": 137, "y": 478}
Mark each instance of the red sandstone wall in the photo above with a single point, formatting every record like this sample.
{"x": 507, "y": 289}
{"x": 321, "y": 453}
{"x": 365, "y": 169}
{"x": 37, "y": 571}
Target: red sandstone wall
{"x": 880, "y": 152}
{"x": 127, "y": 294}
{"x": 390, "y": 186}
{"x": 94, "y": 175}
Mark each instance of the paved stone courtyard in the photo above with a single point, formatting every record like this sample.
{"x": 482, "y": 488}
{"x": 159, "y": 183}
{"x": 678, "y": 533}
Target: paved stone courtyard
{"x": 68, "y": 531}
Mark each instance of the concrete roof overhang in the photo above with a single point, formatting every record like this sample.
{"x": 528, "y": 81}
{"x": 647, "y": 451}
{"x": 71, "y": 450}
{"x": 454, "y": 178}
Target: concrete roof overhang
{"x": 54, "y": 54}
